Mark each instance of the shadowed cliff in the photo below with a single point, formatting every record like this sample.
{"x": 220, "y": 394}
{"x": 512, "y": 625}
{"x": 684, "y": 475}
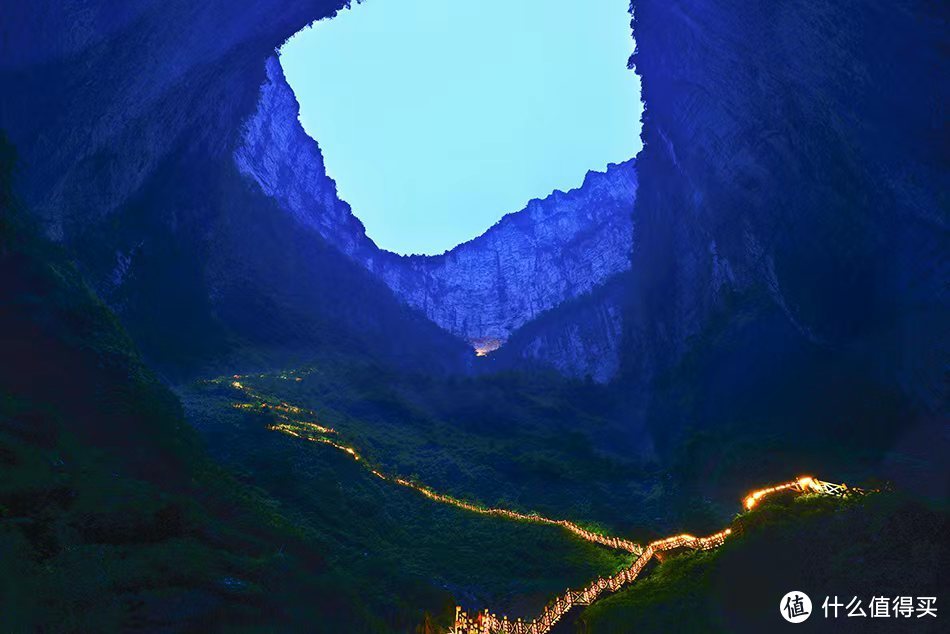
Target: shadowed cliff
{"x": 791, "y": 244}
{"x": 135, "y": 177}
{"x": 556, "y": 249}
{"x": 790, "y": 235}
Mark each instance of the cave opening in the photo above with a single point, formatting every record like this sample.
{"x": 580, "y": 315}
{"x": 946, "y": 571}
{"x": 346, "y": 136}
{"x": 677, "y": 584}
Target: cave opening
{"x": 437, "y": 118}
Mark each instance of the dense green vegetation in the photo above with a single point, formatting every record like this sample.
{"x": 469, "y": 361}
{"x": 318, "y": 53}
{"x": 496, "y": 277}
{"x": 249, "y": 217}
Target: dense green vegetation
{"x": 390, "y": 542}
{"x": 397, "y": 422}
{"x": 113, "y": 517}
{"x": 533, "y": 442}
{"x": 879, "y": 545}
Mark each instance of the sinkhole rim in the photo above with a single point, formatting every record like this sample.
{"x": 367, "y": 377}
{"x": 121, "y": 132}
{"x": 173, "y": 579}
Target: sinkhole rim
{"x": 574, "y": 182}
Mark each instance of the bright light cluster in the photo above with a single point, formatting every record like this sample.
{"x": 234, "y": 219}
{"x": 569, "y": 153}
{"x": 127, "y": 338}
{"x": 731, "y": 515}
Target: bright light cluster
{"x": 553, "y": 612}
{"x": 803, "y": 484}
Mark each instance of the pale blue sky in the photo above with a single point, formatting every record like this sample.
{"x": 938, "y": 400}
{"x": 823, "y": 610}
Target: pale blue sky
{"x": 438, "y": 117}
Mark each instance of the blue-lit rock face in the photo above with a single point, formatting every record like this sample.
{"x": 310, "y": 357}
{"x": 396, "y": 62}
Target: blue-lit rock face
{"x": 557, "y": 248}
{"x": 582, "y": 337}
{"x": 788, "y": 203}
{"x": 791, "y": 238}
{"x": 125, "y": 118}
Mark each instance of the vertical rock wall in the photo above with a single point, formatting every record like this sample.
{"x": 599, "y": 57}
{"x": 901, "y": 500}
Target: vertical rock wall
{"x": 557, "y": 248}
{"x": 790, "y": 255}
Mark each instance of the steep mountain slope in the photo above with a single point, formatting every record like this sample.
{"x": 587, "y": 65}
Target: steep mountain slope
{"x": 112, "y": 518}
{"x": 136, "y": 178}
{"x": 791, "y": 248}
{"x": 555, "y": 249}
{"x": 824, "y": 548}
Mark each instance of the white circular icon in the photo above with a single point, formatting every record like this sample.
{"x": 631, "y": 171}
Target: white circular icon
{"x": 795, "y": 606}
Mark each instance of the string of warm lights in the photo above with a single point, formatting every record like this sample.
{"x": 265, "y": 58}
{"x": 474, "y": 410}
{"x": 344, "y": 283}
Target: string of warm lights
{"x": 488, "y": 623}
{"x": 559, "y": 606}
{"x": 314, "y": 432}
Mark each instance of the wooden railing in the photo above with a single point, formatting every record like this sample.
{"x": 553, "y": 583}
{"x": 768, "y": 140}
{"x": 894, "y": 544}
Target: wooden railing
{"x": 486, "y": 622}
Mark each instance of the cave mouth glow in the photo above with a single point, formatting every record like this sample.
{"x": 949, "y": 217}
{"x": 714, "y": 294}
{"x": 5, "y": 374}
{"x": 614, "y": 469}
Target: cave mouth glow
{"x": 436, "y": 118}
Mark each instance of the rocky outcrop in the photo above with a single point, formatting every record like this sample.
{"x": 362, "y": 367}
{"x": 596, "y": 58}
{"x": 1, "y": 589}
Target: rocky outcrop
{"x": 582, "y": 337}
{"x": 555, "y": 249}
{"x": 288, "y": 166}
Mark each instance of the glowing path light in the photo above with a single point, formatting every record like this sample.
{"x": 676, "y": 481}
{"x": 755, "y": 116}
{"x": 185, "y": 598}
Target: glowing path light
{"x": 489, "y": 623}
{"x": 804, "y": 484}
{"x": 486, "y": 622}
{"x": 314, "y": 432}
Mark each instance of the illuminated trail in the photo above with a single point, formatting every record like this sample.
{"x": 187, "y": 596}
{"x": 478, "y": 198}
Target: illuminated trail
{"x": 488, "y": 623}
{"x": 293, "y": 423}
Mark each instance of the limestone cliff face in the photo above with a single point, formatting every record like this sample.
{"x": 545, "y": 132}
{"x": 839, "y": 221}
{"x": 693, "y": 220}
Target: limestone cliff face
{"x": 555, "y": 249}
{"x": 791, "y": 187}
{"x": 582, "y": 337}
{"x": 790, "y": 220}
{"x": 288, "y": 165}
{"x": 125, "y": 116}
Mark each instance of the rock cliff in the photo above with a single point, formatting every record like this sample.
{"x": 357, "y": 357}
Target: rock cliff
{"x": 790, "y": 197}
{"x": 126, "y": 116}
{"x": 583, "y": 337}
{"x": 791, "y": 231}
{"x": 555, "y": 249}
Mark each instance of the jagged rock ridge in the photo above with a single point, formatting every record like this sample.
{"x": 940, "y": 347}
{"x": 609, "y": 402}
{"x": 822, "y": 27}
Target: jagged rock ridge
{"x": 555, "y": 249}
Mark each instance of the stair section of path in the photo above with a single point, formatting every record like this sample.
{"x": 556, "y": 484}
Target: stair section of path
{"x": 488, "y": 623}
{"x": 301, "y": 423}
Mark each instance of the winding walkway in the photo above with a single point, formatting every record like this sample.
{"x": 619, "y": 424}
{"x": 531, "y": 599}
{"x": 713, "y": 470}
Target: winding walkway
{"x": 299, "y": 423}
{"x": 488, "y": 623}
